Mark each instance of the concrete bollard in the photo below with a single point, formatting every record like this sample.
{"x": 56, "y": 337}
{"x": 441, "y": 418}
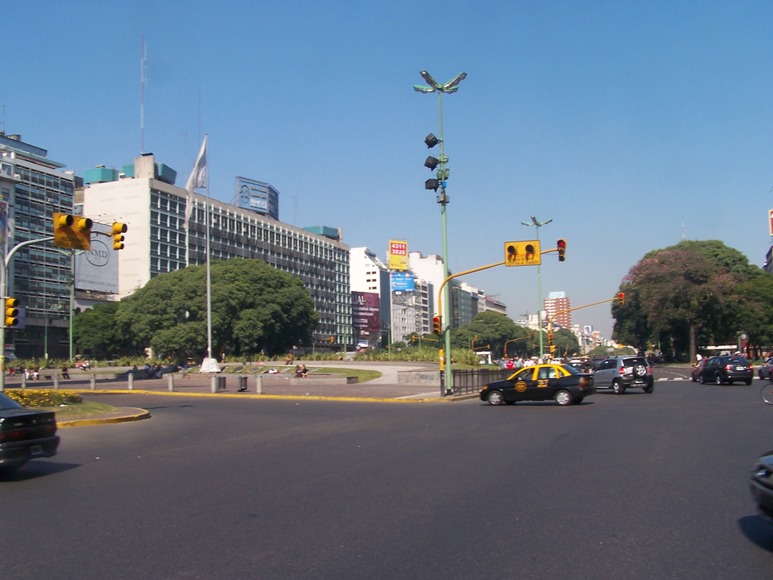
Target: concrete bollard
{"x": 259, "y": 384}
{"x": 93, "y": 381}
{"x": 23, "y": 381}
{"x": 213, "y": 383}
{"x": 131, "y": 381}
{"x": 170, "y": 381}
{"x": 56, "y": 381}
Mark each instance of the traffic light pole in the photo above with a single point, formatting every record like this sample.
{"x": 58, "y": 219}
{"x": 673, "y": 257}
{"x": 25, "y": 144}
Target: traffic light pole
{"x": 4, "y": 291}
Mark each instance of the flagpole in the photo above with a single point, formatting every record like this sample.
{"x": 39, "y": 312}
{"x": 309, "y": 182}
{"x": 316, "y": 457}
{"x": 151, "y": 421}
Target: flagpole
{"x": 199, "y": 178}
{"x": 209, "y": 277}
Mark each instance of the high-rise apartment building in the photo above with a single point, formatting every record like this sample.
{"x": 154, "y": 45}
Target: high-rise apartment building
{"x": 557, "y": 306}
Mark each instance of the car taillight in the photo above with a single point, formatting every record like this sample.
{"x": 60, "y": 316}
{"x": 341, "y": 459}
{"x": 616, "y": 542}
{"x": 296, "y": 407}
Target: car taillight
{"x": 728, "y": 367}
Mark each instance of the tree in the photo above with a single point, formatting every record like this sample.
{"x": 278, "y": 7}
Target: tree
{"x": 678, "y": 295}
{"x": 95, "y": 330}
{"x": 490, "y": 328}
{"x": 254, "y": 307}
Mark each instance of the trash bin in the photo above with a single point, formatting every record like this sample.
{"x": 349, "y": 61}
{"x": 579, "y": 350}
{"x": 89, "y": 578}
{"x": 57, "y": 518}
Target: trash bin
{"x": 221, "y": 383}
{"x": 242, "y": 384}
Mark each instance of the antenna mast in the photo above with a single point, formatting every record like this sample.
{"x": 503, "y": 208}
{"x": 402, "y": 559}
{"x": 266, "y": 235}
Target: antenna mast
{"x": 142, "y": 95}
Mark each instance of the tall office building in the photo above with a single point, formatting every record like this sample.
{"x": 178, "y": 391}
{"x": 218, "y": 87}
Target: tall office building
{"x": 167, "y": 231}
{"x": 32, "y": 187}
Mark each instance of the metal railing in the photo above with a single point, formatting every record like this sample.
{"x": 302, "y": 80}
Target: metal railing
{"x": 470, "y": 381}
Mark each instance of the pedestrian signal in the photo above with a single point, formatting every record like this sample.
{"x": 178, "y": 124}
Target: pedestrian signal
{"x": 524, "y": 253}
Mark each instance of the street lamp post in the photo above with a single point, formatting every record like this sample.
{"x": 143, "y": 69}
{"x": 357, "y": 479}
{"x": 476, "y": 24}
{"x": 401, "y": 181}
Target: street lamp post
{"x": 448, "y": 88}
{"x": 537, "y": 225}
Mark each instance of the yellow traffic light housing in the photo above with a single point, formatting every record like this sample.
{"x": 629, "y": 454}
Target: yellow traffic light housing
{"x": 621, "y": 297}
{"x": 524, "y": 253}
{"x": 72, "y": 232}
{"x": 436, "y": 325}
{"x": 11, "y": 317}
{"x": 118, "y": 230}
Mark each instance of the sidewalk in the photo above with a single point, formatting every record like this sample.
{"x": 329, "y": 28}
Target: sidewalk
{"x": 384, "y": 387}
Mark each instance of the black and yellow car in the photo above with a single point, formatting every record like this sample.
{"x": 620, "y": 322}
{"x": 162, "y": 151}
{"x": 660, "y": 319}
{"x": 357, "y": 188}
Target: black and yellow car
{"x": 544, "y": 382}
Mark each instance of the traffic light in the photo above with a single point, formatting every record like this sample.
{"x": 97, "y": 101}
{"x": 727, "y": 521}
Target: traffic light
{"x": 432, "y": 163}
{"x": 11, "y": 312}
{"x": 436, "y": 325}
{"x": 72, "y": 232}
{"x": 525, "y": 253}
{"x": 561, "y": 245}
{"x": 621, "y": 297}
{"x": 119, "y": 229}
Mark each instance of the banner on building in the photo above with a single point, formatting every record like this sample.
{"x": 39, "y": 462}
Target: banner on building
{"x": 366, "y": 317}
{"x": 97, "y": 269}
{"x": 397, "y": 257}
{"x": 403, "y": 282}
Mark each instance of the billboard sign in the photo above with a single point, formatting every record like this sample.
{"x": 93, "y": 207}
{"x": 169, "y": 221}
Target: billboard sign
{"x": 97, "y": 268}
{"x": 402, "y": 282}
{"x": 365, "y": 313}
{"x": 397, "y": 258}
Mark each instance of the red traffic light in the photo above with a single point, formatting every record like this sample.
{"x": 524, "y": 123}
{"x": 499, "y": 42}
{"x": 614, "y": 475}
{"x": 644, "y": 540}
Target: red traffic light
{"x": 621, "y": 297}
{"x": 561, "y": 246}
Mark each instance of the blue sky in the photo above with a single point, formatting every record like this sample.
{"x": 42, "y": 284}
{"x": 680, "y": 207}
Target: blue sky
{"x": 630, "y": 124}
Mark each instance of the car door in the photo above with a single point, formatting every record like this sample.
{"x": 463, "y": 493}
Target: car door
{"x": 547, "y": 382}
{"x": 524, "y": 385}
{"x": 604, "y": 373}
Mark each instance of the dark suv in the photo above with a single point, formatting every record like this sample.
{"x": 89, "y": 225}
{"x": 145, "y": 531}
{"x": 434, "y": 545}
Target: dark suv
{"x": 620, "y": 372}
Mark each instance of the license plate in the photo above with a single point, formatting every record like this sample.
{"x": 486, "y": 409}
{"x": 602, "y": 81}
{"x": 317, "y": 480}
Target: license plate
{"x": 740, "y": 368}
{"x": 36, "y": 450}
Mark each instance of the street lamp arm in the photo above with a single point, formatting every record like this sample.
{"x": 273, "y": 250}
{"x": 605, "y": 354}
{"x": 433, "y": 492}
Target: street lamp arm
{"x": 423, "y": 89}
{"x": 430, "y": 81}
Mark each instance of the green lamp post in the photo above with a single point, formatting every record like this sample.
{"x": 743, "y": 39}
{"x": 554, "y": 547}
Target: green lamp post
{"x": 442, "y": 198}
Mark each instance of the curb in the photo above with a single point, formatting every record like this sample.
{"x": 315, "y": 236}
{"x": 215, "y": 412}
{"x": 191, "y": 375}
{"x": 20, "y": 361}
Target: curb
{"x": 136, "y": 416}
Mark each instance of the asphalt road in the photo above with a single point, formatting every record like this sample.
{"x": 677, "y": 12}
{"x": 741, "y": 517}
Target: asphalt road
{"x": 632, "y": 486}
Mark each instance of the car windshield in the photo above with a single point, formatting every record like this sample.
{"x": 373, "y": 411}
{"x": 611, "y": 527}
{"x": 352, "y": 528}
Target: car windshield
{"x": 7, "y": 402}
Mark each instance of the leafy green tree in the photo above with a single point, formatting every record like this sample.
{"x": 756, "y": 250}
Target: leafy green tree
{"x": 755, "y": 310}
{"x": 95, "y": 330}
{"x": 682, "y": 294}
{"x": 566, "y": 343}
{"x": 489, "y": 328}
{"x": 254, "y": 308}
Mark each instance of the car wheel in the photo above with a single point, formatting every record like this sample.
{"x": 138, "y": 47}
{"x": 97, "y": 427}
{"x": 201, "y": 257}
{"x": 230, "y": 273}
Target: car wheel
{"x": 748, "y": 381}
{"x": 702, "y": 379}
{"x": 579, "y": 400}
{"x": 495, "y": 398}
{"x": 564, "y": 398}
{"x": 718, "y": 379}
{"x": 618, "y": 388}
{"x": 649, "y": 388}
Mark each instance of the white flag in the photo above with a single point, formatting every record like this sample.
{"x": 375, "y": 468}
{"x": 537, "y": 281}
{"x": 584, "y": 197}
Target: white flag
{"x": 198, "y": 176}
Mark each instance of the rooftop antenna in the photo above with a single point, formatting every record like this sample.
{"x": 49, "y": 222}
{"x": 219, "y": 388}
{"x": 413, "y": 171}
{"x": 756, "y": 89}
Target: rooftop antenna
{"x": 142, "y": 95}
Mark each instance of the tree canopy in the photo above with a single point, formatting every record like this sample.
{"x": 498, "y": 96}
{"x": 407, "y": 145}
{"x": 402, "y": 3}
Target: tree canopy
{"x": 690, "y": 293}
{"x": 254, "y": 308}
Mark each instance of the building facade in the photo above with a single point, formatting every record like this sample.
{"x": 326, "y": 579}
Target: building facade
{"x": 32, "y": 187}
{"x": 167, "y": 231}
{"x": 557, "y": 306}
